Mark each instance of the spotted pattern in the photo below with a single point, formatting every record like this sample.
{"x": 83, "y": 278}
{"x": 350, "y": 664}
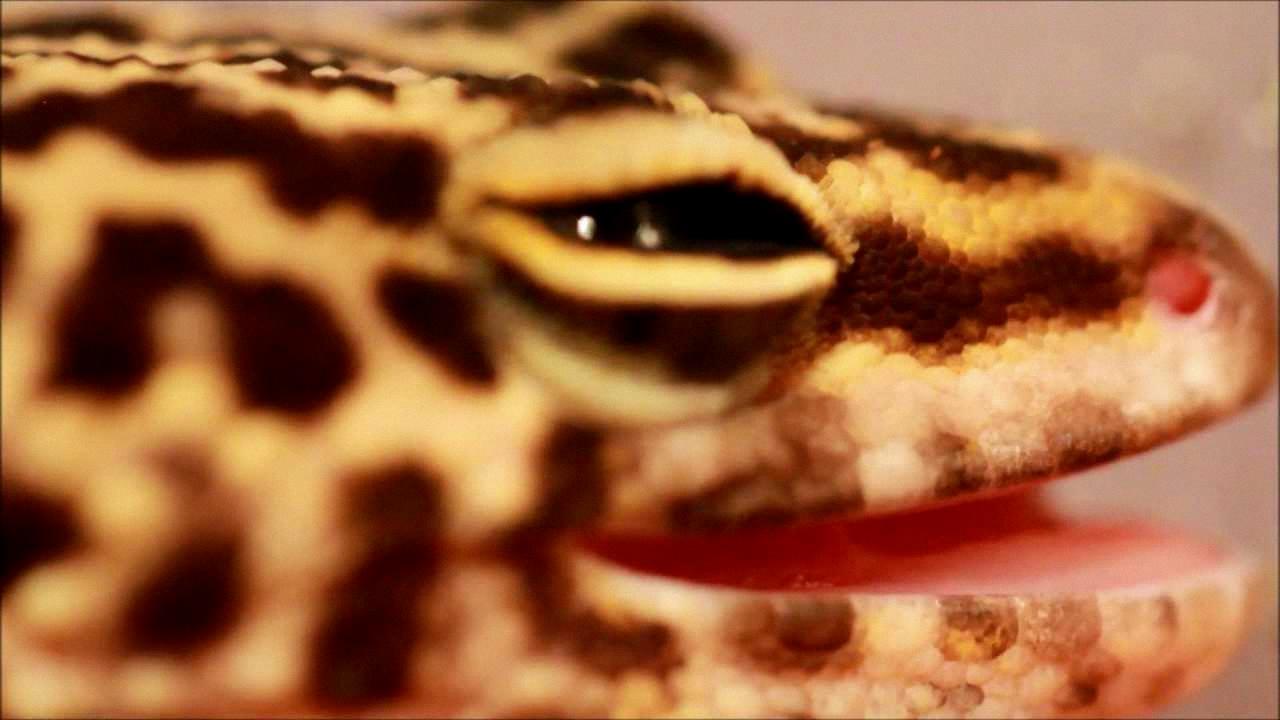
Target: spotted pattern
{"x": 805, "y": 634}
{"x": 8, "y": 240}
{"x": 397, "y": 178}
{"x": 36, "y": 529}
{"x": 362, "y": 649}
{"x": 615, "y": 648}
{"x": 103, "y": 340}
{"x": 900, "y": 279}
{"x": 538, "y": 102}
{"x": 976, "y": 629}
{"x": 948, "y": 156}
{"x": 192, "y": 596}
{"x": 286, "y": 352}
{"x": 442, "y": 319}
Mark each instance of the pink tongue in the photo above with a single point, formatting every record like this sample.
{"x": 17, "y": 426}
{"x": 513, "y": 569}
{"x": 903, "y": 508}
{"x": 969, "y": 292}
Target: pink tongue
{"x": 1008, "y": 544}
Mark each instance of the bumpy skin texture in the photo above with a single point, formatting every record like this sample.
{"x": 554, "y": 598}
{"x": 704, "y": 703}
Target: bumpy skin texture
{"x": 305, "y": 377}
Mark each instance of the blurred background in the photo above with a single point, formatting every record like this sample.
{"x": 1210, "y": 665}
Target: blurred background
{"x": 1184, "y": 88}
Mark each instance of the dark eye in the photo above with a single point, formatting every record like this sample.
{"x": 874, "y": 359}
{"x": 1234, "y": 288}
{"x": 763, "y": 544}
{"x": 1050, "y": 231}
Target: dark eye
{"x": 712, "y": 218}
{"x": 657, "y": 303}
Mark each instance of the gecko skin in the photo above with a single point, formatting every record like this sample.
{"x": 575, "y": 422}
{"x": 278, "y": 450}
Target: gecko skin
{"x": 418, "y": 366}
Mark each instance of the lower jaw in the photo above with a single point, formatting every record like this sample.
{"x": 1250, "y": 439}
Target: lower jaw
{"x": 994, "y": 607}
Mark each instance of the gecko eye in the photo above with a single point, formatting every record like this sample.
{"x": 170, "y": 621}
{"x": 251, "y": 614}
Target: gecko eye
{"x": 700, "y": 218}
{"x": 645, "y": 267}
{"x": 658, "y": 303}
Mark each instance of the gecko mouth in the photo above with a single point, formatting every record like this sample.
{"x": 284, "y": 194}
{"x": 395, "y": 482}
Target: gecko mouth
{"x": 1007, "y": 544}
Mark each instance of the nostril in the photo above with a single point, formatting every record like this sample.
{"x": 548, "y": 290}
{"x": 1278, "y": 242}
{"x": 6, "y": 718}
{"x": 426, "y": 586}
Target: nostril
{"x": 1180, "y": 282}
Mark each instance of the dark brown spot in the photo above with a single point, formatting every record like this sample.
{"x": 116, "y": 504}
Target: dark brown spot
{"x": 502, "y": 15}
{"x": 1062, "y": 629}
{"x": 297, "y": 72}
{"x": 962, "y": 469}
{"x": 946, "y": 155}
{"x": 243, "y": 36}
{"x": 36, "y": 528}
{"x": 1087, "y": 675}
{"x": 539, "y": 102}
{"x": 396, "y": 504}
{"x": 396, "y": 177}
{"x": 794, "y": 634}
{"x": 609, "y": 647}
{"x": 713, "y": 217}
{"x": 189, "y": 600}
{"x": 361, "y": 652}
{"x": 573, "y": 478}
{"x": 797, "y": 144}
{"x": 7, "y": 72}
{"x": 615, "y": 648}
{"x": 491, "y": 16}
{"x": 652, "y": 45}
{"x": 900, "y": 279}
{"x": 8, "y": 239}
{"x": 764, "y": 496}
{"x": 362, "y": 649}
{"x": 103, "y": 343}
{"x": 750, "y": 500}
{"x": 287, "y": 351}
{"x": 953, "y": 158}
{"x": 572, "y": 495}
{"x": 525, "y": 89}
{"x": 977, "y": 629}
{"x": 815, "y": 625}
{"x": 110, "y": 26}
{"x": 697, "y": 344}
{"x": 1075, "y": 695}
{"x": 440, "y": 317}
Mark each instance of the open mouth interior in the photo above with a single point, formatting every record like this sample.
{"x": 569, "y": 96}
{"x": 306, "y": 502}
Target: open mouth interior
{"x": 1007, "y": 544}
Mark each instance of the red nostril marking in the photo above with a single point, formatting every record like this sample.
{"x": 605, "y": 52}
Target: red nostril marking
{"x": 1180, "y": 282}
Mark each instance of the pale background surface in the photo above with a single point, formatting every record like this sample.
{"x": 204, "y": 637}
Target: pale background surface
{"x": 1188, "y": 89}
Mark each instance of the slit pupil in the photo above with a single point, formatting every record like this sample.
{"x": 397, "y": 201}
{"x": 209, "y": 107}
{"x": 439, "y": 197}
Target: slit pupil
{"x": 714, "y": 218}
